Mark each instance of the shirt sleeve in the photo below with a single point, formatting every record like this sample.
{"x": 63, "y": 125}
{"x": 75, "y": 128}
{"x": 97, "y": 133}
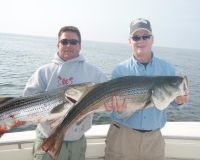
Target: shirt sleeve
{"x": 102, "y": 77}
{"x": 115, "y": 73}
{"x": 35, "y": 84}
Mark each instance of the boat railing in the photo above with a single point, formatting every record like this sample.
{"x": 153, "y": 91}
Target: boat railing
{"x": 182, "y": 140}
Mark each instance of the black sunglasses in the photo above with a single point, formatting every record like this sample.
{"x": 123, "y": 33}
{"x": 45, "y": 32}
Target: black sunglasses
{"x": 137, "y": 38}
{"x": 69, "y": 41}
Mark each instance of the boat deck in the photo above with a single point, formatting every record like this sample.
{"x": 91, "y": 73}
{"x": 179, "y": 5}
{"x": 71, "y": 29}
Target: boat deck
{"x": 182, "y": 142}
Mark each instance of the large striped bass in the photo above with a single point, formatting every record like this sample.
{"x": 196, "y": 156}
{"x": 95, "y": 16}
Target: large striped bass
{"x": 140, "y": 92}
{"x": 49, "y": 106}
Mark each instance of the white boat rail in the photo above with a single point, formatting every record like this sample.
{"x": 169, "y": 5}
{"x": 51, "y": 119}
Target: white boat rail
{"x": 182, "y": 142}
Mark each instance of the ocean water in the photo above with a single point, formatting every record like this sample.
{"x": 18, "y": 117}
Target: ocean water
{"x": 21, "y": 55}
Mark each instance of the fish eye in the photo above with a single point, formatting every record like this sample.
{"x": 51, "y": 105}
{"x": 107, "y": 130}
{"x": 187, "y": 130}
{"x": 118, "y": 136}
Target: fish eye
{"x": 173, "y": 82}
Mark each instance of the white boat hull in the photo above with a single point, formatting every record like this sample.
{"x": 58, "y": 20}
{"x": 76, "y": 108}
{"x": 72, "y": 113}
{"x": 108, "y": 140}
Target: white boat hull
{"x": 182, "y": 142}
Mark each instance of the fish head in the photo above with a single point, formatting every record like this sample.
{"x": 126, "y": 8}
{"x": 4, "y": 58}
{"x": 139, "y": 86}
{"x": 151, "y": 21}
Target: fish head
{"x": 72, "y": 95}
{"x": 167, "y": 89}
{"x": 75, "y": 93}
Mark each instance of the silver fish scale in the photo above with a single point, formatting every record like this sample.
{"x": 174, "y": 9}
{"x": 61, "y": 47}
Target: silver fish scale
{"x": 40, "y": 109}
{"x": 41, "y": 106}
{"x": 134, "y": 91}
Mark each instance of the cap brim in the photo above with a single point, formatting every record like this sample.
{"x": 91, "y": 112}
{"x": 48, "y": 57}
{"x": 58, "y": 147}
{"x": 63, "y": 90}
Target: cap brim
{"x": 140, "y": 29}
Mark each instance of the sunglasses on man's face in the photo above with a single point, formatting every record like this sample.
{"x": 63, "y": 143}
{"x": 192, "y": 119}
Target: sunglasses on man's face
{"x": 138, "y": 38}
{"x": 69, "y": 41}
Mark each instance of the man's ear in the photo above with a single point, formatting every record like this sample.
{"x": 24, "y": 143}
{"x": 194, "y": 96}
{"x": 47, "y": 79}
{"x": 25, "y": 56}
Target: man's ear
{"x": 152, "y": 39}
{"x": 129, "y": 41}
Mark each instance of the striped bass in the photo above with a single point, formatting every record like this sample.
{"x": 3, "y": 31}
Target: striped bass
{"x": 49, "y": 106}
{"x": 140, "y": 92}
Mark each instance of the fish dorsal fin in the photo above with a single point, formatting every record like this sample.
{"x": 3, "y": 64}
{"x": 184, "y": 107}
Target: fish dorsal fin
{"x": 5, "y": 99}
{"x": 75, "y": 93}
{"x": 58, "y": 108}
{"x": 64, "y": 107}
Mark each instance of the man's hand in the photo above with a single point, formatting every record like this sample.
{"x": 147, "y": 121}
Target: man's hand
{"x": 116, "y": 105}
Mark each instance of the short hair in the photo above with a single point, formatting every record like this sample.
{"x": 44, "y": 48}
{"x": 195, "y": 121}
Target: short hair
{"x": 70, "y": 29}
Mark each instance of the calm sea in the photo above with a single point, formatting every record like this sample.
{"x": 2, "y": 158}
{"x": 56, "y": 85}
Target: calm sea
{"x": 21, "y": 55}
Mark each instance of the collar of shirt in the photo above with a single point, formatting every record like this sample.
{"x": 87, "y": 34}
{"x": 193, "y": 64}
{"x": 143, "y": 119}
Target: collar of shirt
{"x": 135, "y": 61}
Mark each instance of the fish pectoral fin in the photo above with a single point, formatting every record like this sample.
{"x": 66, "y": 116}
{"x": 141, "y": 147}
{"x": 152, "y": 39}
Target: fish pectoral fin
{"x": 5, "y": 99}
{"x": 76, "y": 92}
{"x": 57, "y": 109}
{"x": 65, "y": 106}
{"x": 58, "y": 113}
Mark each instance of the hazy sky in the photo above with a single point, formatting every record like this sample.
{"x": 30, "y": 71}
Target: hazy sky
{"x": 175, "y": 23}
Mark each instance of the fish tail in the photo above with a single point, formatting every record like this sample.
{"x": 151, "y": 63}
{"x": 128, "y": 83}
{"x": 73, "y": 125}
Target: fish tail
{"x": 52, "y": 144}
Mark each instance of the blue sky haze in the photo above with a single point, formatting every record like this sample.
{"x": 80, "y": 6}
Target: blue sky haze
{"x": 175, "y": 23}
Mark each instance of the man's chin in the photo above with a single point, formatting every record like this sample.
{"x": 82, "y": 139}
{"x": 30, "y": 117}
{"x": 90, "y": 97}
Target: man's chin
{"x": 68, "y": 57}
